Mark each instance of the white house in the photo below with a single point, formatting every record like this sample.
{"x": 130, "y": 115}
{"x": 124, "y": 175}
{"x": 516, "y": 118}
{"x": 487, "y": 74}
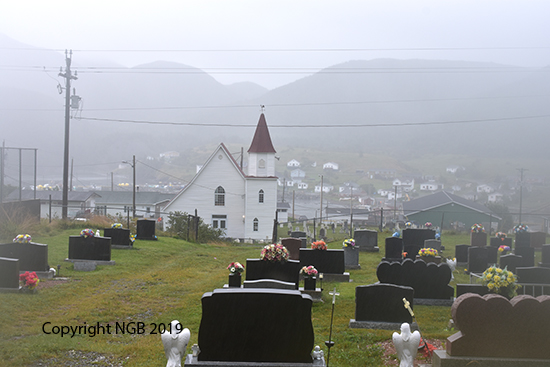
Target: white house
{"x": 331, "y": 165}
{"x": 454, "y": 169}
{"x": 242, "y": 204}
{"x": 495, "y": 197}
{"x": 293, "y": 163}
{"x": 79, "y": 203}
{"x": 297, "y": 173}
{"x": 326, "y": 188}
{"x": 485, "y": 188}
{"x": 302, "y": 185}
{"x": 431, "y": 186}
{"x": 404, "y": 185}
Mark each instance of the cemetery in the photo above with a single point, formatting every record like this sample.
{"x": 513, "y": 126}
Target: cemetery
{"x": 243, "y": 310}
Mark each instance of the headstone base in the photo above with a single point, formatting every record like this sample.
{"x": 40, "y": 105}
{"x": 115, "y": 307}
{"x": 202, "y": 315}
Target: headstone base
{"x": 369, "y": 248}
{"x": 315, "y": 295}
{"x": 122, "y": 247}
{"x": 544, "y": 265}
{"x": 42, "y": 274}
{"x": 339, "y": 278}
{"x": 379, "y": 325}
{"x": 442, "y": 359}
{"x": 89, "y": 265}
{"x": 10, "y": 290}
{"x": 433, "y": 302}
{"x": 353, "y": 267}
{"x": 192, "y": 361}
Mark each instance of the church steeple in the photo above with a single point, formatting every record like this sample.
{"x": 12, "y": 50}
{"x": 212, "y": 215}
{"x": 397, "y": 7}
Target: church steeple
{"x": 261, "y": 154}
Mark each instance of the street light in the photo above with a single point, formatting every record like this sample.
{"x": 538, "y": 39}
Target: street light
{"x": 133, "y": 164}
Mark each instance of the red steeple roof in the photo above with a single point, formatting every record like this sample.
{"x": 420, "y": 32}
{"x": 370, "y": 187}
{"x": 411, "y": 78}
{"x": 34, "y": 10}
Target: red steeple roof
{"x": 261, "y": 143}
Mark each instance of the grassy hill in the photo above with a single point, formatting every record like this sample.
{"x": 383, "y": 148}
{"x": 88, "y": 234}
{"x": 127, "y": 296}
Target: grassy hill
{"x": 164, "y": 280}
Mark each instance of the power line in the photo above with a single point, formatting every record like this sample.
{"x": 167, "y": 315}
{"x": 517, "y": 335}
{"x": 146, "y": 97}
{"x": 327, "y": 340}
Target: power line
{"x": 428, "y": 123}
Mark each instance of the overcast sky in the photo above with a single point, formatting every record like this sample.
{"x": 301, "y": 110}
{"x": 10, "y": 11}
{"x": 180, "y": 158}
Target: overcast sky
{"x": 275, "y": 42}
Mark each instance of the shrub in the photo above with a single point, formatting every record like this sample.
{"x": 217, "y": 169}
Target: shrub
{"x": 183, "y": 225}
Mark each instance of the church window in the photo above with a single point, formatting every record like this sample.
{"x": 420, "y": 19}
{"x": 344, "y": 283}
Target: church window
{"x": 219, "y": 221}
{"x": 219, "y": 196}
{"x": 255, "y": 225}
{"x": 261, "y": 196}
{"x": 261, "y": 164}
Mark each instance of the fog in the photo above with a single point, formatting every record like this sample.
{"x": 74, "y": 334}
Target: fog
{"x": 407, "y": 80}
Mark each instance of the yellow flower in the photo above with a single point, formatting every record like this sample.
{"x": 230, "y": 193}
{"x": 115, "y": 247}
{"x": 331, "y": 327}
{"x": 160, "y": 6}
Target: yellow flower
{"x": 490, "y": 285}
{"x": 499, "y": 270}
{"x": 489, "y": 276}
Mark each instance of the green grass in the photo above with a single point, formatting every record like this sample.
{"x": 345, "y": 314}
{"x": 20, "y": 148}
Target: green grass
{"x": 163, "y": 280}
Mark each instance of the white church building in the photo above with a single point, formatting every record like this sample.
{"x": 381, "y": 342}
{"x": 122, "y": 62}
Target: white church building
{"x": 241, "y": 203}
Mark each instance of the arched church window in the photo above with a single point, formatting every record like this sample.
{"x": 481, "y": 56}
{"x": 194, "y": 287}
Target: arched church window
{"x": 261, "y": 196}
{"x": 255, "y": 225}
{"x": 219, "y": 196}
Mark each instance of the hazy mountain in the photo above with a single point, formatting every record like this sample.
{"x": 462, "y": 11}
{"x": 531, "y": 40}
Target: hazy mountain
{"x": 467, "y": 108}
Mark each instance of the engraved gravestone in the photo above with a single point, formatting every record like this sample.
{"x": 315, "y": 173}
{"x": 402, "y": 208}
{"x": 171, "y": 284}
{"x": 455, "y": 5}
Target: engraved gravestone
{"x": 545, "y": 256}
{"x": 145, "y": 229}
{"x": 383, "y": 302}
{"x": 394, "y": 249}
{"x": 478, "y": 259}
{"x": 510, "y": 262}
{"x": 32, "y": 256}
{"x": 286, "y": 271}
{"x": 461, "y": 253}
{"x": 9, "y": 273}
{"x": 527, "y": 256}
{"x": 293, "y": 246}
{"x": 367, "y": 240}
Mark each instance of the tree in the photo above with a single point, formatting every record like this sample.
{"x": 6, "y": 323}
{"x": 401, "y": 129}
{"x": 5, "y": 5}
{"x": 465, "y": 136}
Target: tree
{"x": 183, "y": 226}
{"x": 507, "y": 222}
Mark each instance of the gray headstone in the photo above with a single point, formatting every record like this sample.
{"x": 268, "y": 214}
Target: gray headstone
{"x": 510, "y": 262}
{"x": 394, "y": 248}
{"x": 351, "y": 258}
{"x": 435, "y": 244}
{"x": 383, "y": 302}
{"x": 9, "y": 273}
{"x": 478, "y": 259}
{"x": 527, "y": 255}
{"x": 32, "y": 256}
{"x": 367, "y": 240}
{"x": 461, "y": 253}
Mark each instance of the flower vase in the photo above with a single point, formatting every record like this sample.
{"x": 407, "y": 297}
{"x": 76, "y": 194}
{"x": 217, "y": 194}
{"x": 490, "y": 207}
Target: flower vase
{"x": 235, "y": 280}
{"x": 310, "y": 283}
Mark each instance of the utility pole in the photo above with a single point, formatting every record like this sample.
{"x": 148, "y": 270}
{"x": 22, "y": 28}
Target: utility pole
{"x": 321, "y": 212}
{"x": 521, "y": 170}
{"x": 68, "y": 77}
{"x": 2, "y": 173}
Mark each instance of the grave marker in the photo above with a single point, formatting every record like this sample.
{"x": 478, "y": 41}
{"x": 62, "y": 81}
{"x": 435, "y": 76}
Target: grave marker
{"x": 527, "y": 256}
{"x": 9, "y": 274}
{"x": 145, "y": 229}
{"x": 367, "y": 240}
{"x": 478, "y": 259}
{"x": 293, "y": 246}
{"x": 461, "y": 253}
{"x": 545, "y": 256}
{"x": 393, "y": 249}
{"x": 286, "y": 271}
{"x": 510, "y": 262}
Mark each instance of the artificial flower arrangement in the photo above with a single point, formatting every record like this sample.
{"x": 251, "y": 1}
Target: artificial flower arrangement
{"x": 500, "y": 235}
{"x": 350, "y": 242}
{"x": 308, "y": 271}
{"x": 29, "y": 280}
{"x": 319, "y": 245}
{"x": 427, "y": 252}
{"x": 408, "y": 225}
{"x": 274, "y": 252}
{"x": 22, "y": 238}
{"x": 132, "y": 238}
{"x": 503, "y": 248}
{"x": 500, "y": 281}
{"x": 520, "y": 228}
{"x": 477, "y": 228}
{"x": 86, "y": 233}
{"x": 116, "y": 226}
{"x": 428, "y": 225}
{"x": 235, "y": 268}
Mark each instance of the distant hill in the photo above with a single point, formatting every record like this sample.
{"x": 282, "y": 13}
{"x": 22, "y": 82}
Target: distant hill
{"x": 459, "y": 104}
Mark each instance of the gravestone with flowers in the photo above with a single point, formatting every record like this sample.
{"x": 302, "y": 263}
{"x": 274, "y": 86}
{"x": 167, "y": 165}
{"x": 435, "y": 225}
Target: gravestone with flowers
{"x": 32, "y": 256}
{"x": 478, "y": 236}
{"x": 87, "y": 250}
{"x": 120, "y": 237}
{"x": 145, "y": 229}
{"x": 329, "y": 262}
{"x": 351, "y": 254}
{"x": 523, "y": 237}
{"x": 500, "y": 239}
{"x": 274, "y": 263}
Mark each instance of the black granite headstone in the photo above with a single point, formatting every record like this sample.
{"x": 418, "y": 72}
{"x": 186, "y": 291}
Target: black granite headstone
{"x": 497, "y": 242}
{"x": 417, "y": 236}
{"x": 510, "y": 262}
{"x": 428, "y": 280}
{"x": 545, "y": 256}
{"x": 538, "y": 239}
{"x": 478, "y": 239}
{"x": 293, "y": 246}
{"x": 394, "y": 248}
{"x": 145, "y": 229}
{"x": 471, "y": 288}
{"x": 119, "y": 236}
{"x": 533, "y": 275}
{"x": 286, "y": 271}
{"x": 32, "y": 256}
{"x": 435, "y": 244}
{"x": 523, "y": 239}
{"x": 478, "y": 259}
{"x": 256, "y": 325}
{"x": 492, "y": 255}
{"x": 383, "y": 302}
{"x": 325, "y": 261}
{"x": 89, "y": 248}
{"x": 366, "y": 239}
{"x": 298, "y": 234}
{"x": 527, "y": 256}
{"x": 411, "y": 251}
{"x": 461, "y": 253}
{"x": 9, "y": 273}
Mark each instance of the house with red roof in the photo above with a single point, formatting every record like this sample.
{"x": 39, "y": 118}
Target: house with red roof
{"x": 242, "y": 202}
